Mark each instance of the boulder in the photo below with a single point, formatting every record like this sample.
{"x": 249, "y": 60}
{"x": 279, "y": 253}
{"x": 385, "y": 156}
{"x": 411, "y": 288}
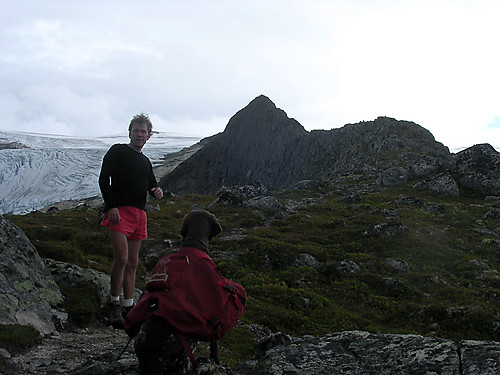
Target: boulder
{"x": 478, "y": 169}
{"x": 399, "y": 265}
{"x": 292, "y": 206}
{"x": 254, "y": 195}
{"x": 263, "y": 202}
{"x": 306, "y": 260}
{"x": 28, "y": 292}
{"x": 11, "y": 145}
{"x": 228, "y": 198}
{"x": 71, "y": 274}
{"x": 357, "y": 352}
{"x": 480, "y": 357}
{"x": 444, "y": 184}
{"x": 315, "y": 185}
{"x": 394, "y": 176}
{"x": 387, "y": 229}
{"x": 347, "y": 267}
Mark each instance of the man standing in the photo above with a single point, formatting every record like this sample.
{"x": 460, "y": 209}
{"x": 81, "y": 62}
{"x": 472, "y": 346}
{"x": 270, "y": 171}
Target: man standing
{"x": 126, "y": 178}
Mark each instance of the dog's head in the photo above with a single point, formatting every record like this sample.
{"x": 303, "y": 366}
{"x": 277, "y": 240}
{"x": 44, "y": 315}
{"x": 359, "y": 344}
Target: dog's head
{"x": 201, "y": 225}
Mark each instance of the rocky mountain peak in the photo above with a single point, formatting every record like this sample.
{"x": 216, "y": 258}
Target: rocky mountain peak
{"x": 254, "y": 146}
{"x": 261, "y": 118}
{"x": 262, "y": 143}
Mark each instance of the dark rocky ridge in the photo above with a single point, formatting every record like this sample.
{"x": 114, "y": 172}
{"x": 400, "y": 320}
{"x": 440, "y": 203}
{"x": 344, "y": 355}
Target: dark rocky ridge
{"x": 261, "y": 143}
{"x": 257, "y": 141}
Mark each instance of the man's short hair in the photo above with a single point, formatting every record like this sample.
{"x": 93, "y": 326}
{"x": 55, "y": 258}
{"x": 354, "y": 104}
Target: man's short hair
{"x": 141, "y": 119}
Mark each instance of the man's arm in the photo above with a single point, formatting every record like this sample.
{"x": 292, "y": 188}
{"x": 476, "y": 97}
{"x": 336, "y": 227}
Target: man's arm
{"x": 154, "y": 189}
{"x": 105, "y": 179}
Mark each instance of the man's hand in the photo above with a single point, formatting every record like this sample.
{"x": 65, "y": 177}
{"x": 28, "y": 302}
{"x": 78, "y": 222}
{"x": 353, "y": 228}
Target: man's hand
{"x": 114, "y": 215}
{"x": 157, "y": 192}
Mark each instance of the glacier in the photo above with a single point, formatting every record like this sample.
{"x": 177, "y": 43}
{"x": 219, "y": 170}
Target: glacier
{"x": 56, "y": 168}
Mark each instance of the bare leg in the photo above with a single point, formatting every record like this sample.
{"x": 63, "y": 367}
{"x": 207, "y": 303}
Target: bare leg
{"x": 131, "y": 268}
{"x": 120, "y": 256}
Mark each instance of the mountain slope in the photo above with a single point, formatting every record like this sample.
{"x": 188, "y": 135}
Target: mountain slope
{"x": 254, "y": 145}
{"x": 261, "y": 143}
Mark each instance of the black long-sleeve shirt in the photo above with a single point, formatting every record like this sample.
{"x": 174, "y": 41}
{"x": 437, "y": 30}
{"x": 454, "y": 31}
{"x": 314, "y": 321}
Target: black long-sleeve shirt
{"x": 126, "y": 177}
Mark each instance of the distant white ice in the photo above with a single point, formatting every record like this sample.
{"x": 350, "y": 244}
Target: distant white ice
{"x": 56, "y": 168}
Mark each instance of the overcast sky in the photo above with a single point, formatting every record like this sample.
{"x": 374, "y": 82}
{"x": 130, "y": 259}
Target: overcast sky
{"x": 86, "y": 67}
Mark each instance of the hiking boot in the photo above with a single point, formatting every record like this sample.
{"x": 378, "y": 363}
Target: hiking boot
{"x": 126, "y": 310}
{"x": 115, "y": 315}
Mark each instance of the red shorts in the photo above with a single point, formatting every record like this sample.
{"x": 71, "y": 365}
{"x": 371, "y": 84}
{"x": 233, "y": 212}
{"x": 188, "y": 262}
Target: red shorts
{"x": 133, "y": 223}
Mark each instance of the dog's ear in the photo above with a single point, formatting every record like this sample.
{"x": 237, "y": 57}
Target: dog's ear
{"x": 215, "y": 227}
{"x": 184, "y": 226}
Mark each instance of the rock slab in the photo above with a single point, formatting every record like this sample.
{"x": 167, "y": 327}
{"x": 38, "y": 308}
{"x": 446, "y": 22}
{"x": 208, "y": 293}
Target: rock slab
{"x": 357, "y": 352}
{"x": 28, "y": 291}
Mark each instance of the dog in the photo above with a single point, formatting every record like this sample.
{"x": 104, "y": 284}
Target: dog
{"x": 157, "y": 345}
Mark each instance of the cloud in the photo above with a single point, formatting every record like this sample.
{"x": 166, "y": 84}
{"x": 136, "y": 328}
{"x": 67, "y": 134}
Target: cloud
{"x": 85, "y": 68}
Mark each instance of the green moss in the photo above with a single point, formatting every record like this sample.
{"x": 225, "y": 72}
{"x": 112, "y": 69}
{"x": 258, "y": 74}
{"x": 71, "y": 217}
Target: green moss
{"x": 237, "y": 346}
{"x": 23, "y": 286}
{"x": 81, "y": 302}
{"x": 443, "y": 293}
{"x": 16, "y": 337}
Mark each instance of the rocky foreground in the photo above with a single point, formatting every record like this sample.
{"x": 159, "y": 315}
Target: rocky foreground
{"x": 101, "y": 350}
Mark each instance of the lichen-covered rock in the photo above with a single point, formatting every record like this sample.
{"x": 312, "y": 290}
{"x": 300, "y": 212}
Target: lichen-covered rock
{"x": 444, "y": 184}
{"x": 28, "y": 291}
{"x": 478, "y": 169}
{"x": 292, "y": 206}
{"x": 71, "y": 274}
{"x": 263, "y": 202}
{"x": 316, "y": 185}
{"x": 306, "y": 260}
{"x": 347, "y": 267}
{"x": 394, "y": 176}
{"x": 357, "y": 352}
{"x": 254, "y": 195}
{"x": 480, "y": 358}
{"x": 400, "y": 265}
{"x": 228, "y": 198}
{"x": 387, "y": 229}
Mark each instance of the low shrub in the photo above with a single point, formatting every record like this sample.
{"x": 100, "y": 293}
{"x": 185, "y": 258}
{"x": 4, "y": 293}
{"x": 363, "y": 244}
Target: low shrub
{"x": 81, "y": 302}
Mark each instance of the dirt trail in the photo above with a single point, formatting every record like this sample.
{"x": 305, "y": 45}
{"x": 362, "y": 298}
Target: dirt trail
{"x": 88, "y": 351}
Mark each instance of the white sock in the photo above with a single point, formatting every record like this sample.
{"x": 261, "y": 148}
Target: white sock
{"x": 128, "y": 302}
{"x": 115, "y": 299}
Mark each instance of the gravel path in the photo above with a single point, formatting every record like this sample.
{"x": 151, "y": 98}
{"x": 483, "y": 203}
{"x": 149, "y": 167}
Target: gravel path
{"x": 89, "y": 351}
